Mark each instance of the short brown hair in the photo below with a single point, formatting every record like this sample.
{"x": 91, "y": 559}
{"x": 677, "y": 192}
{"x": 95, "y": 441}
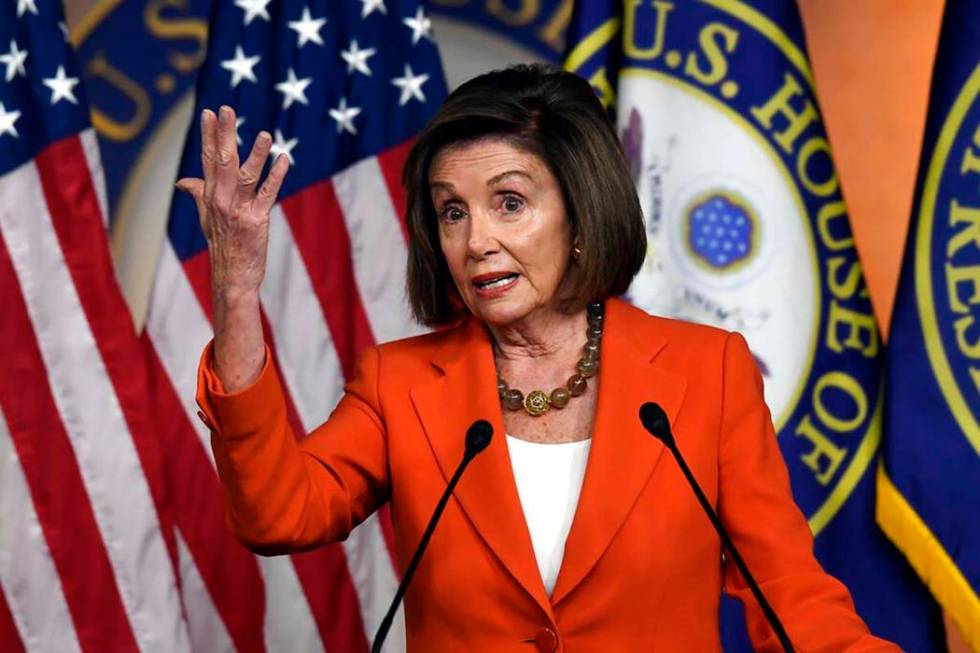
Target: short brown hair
{"x": 555, "y": 115}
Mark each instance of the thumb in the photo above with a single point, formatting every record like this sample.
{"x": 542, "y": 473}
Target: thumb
{"x": 191, "y": 185}
{"x": 195, "y": 188}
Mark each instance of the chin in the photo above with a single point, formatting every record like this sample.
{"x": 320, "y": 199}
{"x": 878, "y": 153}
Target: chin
{"x": 500, "y": 312}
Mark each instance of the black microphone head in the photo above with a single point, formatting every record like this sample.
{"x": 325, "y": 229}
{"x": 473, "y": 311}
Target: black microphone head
{"x": 655, "y": 421}
{"x": 478, "y": 437}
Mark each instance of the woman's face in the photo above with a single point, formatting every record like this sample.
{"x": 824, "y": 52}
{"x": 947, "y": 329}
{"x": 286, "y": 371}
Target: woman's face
{"x": 502, "y": 228}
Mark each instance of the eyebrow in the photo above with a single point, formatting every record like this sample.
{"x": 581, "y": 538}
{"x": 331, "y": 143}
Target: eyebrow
{"x": 496, "y": 179}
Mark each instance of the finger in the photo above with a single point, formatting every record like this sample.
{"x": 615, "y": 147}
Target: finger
{"x": 251, "y": 170}
{"x": 195, "y": 188}
{"x": 191, "y": 185}
{"x": 269, "y": 190}
{"x": 209, "y": 148}
{"x": 226, "y": 163}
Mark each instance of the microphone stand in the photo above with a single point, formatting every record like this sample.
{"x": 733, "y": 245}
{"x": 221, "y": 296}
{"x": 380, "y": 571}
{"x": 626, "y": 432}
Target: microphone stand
{"x": 655, "y": 422}
{"x": 477, "y": 438}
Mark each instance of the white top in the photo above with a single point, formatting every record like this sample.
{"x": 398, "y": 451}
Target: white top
{"x": 549, "y": 480}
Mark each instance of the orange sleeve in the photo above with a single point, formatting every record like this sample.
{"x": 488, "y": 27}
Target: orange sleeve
{"x": 756, "y": 505}
{"x": 285, "y": 495}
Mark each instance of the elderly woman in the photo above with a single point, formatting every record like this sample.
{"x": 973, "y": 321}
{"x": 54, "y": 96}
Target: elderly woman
{"x": 574, "y": 532}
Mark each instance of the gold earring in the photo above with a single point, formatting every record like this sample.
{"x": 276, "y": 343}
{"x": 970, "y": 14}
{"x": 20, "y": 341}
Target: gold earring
{"x": 576, "y": 252}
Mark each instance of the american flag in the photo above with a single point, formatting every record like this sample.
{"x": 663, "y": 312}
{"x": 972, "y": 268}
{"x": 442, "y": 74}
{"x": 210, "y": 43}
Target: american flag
{"x": 343, "y": 87}
{"x": 87, "y": 556}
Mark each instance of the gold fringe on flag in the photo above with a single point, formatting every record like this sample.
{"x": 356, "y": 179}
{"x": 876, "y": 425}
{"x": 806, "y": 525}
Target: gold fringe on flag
{"x": 903, "y": 526}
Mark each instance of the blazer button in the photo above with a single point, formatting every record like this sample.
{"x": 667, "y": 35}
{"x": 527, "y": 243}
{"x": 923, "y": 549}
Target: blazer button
{"x": 546, "y": 640}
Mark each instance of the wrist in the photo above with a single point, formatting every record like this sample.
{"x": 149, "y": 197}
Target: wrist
{"x": 236, "y": 315}
{"x": 235, "y": 299}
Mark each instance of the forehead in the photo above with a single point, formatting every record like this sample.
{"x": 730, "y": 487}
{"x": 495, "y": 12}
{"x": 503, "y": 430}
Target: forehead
{"x": 483, "y": 158}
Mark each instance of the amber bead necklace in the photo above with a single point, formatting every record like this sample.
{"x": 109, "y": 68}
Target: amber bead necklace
{"x": 538, "y": 402}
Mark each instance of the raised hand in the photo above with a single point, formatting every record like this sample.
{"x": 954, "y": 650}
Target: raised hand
{"x": 234, "y": 214}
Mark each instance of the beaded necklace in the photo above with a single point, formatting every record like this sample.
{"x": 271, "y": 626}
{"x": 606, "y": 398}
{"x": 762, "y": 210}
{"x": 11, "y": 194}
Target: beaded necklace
{"x": 538, "y": 402}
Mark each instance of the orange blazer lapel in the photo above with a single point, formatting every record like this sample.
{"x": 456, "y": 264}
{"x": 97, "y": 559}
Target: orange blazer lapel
{"x": 447, "y": 406}
{"x": 623, "y": 455}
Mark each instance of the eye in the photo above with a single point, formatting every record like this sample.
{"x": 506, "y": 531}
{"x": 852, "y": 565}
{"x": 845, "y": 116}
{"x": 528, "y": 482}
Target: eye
{"x": 451, "y": 213}
{"x": 512, "y": 203}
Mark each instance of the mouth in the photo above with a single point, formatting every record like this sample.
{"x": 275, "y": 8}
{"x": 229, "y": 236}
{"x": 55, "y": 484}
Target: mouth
{"x": 494, "y": 283}
{"x": 494, "y": 279}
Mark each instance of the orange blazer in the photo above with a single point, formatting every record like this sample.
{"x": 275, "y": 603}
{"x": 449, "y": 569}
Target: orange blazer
{"x": 643, "y": 568}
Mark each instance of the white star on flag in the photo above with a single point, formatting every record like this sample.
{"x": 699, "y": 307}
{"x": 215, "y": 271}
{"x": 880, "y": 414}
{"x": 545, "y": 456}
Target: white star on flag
{"x": 411, "y": 86}
{"x": 344, "y": 116}
{"x": 281, "y": 146}
{"x": 14, "y": 61}
{"x": 64, "y": 30}
{"x": 253, "y": 8}
{"x": 26, "y": 5}
{"x": 357, "y": 59}
{"x": 308, "y": 28}
{"x": 239, "y": 121}
{"x": 420, "y": 25}
{"x": 371, "y": 5}
{"x": 7, "y": 120}
{"x": 241, "y": 67}
{"x": 293, "y": 90}
{"x": 62, "y": 87}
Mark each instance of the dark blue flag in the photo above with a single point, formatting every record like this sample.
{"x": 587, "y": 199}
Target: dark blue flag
{"x": 928, "y": 498}
{"x": 748, "y": 230}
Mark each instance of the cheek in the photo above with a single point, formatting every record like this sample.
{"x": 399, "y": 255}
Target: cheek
{"x": 553, "y": 242}
{"x": 543, "y": 253}
{"x": 453, "y": 253}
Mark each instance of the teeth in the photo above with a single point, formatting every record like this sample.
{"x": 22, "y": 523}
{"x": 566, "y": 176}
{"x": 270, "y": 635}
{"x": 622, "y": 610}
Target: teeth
{"x": 497, "y": 282}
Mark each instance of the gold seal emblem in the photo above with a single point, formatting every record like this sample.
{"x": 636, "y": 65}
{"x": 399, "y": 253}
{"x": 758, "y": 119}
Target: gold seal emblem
{"x": 536, "y": 403}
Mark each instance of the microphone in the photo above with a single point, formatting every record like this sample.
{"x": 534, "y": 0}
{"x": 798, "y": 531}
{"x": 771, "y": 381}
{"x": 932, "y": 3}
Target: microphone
{"x": 655, "y": 421}
{"x": 478, "y": 436}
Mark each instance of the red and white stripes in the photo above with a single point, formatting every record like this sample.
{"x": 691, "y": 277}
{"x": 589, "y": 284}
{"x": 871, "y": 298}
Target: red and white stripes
{"x": 113, "y": 535}
{"x": 86, "y": 561}
{"x": 335, "y": 283}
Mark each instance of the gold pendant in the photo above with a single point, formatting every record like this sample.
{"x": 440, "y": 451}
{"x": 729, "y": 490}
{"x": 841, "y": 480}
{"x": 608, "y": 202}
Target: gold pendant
{"x": 536, "y": 403}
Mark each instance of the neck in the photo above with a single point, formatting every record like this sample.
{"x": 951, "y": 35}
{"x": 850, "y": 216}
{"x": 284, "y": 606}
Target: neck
{"x": 546, "y": 335}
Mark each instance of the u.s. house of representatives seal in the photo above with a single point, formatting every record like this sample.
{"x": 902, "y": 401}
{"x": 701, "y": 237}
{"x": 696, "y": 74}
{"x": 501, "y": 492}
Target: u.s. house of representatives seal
{"x": 745, "y": 219}
{"x": 947, "y": 259}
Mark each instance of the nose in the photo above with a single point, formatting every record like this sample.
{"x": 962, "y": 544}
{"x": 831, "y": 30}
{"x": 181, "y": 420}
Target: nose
{"x": 482, "y": 240}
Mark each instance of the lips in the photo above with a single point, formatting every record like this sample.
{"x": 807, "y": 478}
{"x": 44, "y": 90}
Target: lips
{"x": 494, "y": 284}
{"x": 493, "y": 279}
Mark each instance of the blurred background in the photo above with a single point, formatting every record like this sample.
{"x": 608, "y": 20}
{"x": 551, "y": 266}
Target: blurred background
{"x": 872, "y": 66}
